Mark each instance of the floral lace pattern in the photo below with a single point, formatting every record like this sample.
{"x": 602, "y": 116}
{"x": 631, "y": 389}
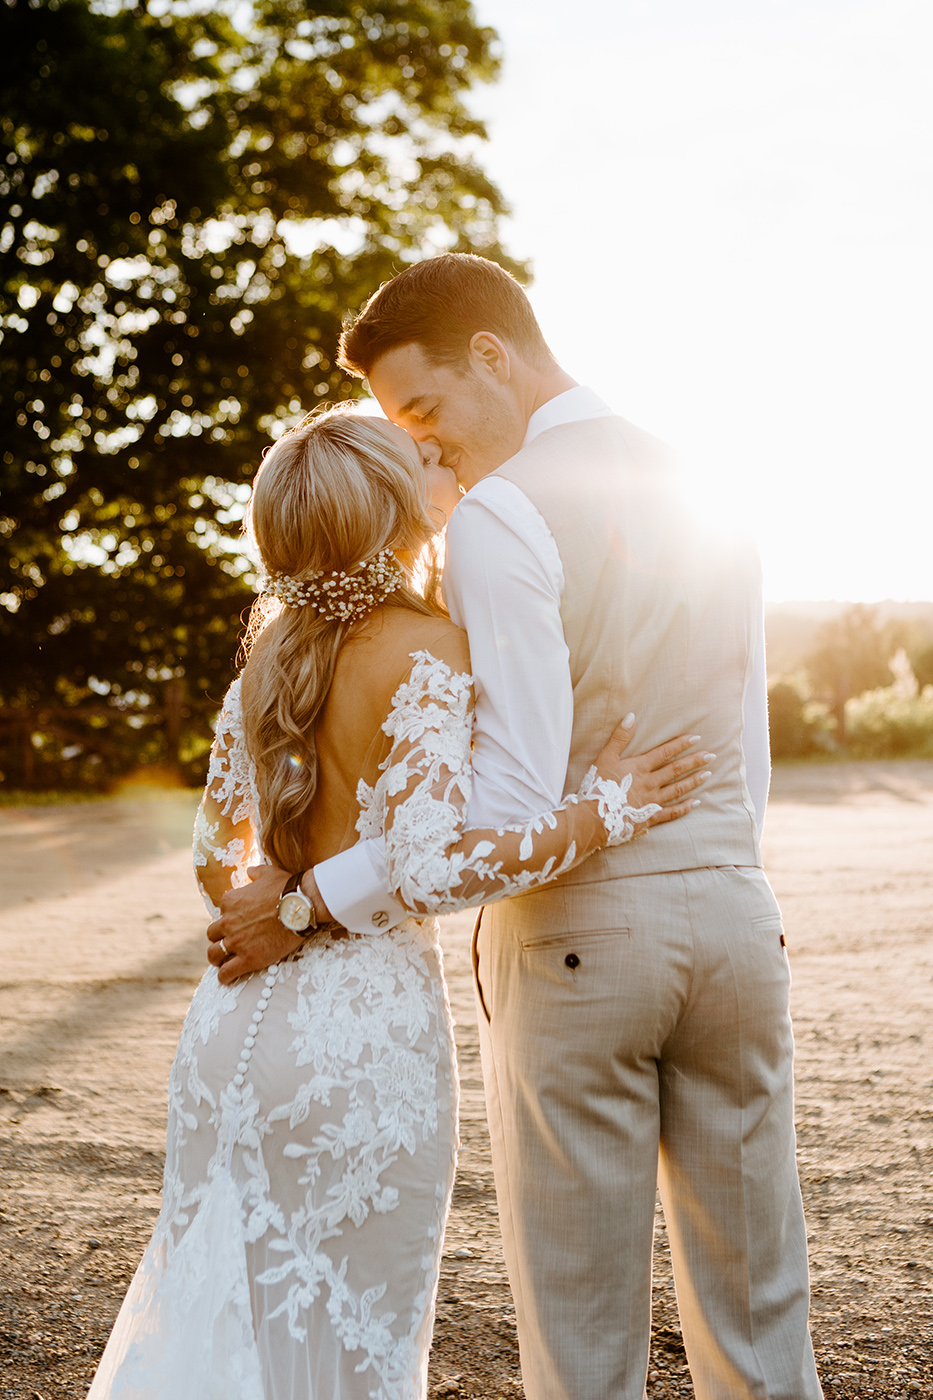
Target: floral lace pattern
{"x": 421, "y": 797}
{"x": 312, "y": 1109}
{"x": 616, "y": 815}
{"x": 226, "y": 840}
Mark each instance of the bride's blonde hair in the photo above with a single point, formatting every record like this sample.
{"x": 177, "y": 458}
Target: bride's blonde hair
{"x": 332, "y": 492}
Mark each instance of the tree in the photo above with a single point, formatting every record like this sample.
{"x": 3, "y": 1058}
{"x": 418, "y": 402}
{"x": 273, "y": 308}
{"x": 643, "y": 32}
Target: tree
{"x": 793, "y": 733}
{"x": 187, "y": 210}
{"x": 851, "y": 656}
{"x": 921, "y": 661}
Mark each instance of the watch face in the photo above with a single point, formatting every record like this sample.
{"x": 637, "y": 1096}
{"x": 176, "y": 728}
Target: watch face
{"x": 294, "y": 912}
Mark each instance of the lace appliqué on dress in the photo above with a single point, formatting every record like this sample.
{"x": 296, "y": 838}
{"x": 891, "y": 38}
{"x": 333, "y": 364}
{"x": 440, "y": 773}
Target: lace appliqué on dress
{"x": 312, "y": 1127}
{"x": 226, "y": 841}
{"x": 616, "y": 815}
{"x": 421, "y": 798}
{"x": 312, "y": 1109}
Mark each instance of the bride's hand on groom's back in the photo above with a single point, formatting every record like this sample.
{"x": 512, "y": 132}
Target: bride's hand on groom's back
{"x": 666, "y": 774}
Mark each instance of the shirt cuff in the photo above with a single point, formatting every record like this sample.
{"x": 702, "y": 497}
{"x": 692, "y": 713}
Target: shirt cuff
{"x": 355, "y": 887}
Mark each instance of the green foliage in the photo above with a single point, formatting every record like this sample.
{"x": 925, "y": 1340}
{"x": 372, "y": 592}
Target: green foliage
{"x": 851, "y": 655}
{"x": 797, "y": 727}
{"x": 921, "y": 661}
{"x": 889, "y": 723}
{"x": 852, "y": 650}
{"x": 188, "y": 208}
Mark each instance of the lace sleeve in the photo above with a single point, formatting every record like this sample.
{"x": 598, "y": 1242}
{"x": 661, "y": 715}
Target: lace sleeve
{"x": 420, "y": 801}
{"x": 225, "y": 839}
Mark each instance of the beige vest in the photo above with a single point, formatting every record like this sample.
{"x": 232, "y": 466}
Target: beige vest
{"x": 660, "y": 618}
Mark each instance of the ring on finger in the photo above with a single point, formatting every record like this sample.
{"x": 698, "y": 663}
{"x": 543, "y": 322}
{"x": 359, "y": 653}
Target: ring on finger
{"x": 223, "y": 948}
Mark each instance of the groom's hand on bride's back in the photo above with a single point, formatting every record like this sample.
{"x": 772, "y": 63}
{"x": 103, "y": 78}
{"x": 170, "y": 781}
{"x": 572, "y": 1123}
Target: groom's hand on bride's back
{"x": 248, "y": 935}
{"x": 666, "y": 774}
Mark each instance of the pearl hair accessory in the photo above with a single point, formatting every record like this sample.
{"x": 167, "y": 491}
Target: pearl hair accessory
{"x": 336, "y": 594}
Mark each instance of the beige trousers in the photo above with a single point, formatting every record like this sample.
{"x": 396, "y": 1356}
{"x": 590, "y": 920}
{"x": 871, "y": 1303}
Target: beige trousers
{"x": 636, "y": 1032}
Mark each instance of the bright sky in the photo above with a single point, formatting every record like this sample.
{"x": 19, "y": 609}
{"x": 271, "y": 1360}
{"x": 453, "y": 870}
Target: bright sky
{"x": 728, "y": 206}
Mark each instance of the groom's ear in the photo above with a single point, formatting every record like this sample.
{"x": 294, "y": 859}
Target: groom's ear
{"x": 490, "y": 357}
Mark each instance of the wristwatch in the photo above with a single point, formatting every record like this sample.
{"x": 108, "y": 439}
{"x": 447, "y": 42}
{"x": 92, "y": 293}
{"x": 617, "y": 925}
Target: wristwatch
{"x": 296, "y": 910}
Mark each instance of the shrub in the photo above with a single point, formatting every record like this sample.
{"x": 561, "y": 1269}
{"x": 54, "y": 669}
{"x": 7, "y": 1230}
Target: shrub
{"x": 798, "y": 727}
{"x": 887, "y": 723}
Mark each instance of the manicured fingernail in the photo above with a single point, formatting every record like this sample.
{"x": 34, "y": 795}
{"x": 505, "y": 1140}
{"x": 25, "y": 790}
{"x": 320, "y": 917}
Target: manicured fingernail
{"x": 708, "y": 757}
{"x": 694, "y": 739}
{"x": 704, "y": 776}
{"x": 696, "y": 802}
{"x": 628, "y": 721}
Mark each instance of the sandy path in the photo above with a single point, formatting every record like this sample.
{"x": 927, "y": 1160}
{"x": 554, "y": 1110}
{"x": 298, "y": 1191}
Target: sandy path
{"x": 101, "y": 943}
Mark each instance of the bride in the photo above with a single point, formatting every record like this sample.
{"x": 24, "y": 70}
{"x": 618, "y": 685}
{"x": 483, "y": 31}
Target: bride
{"x": 313, "y": 1108}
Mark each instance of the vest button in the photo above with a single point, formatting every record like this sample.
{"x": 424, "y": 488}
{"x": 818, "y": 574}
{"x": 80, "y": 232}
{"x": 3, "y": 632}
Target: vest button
{"x": 572, "y": 960}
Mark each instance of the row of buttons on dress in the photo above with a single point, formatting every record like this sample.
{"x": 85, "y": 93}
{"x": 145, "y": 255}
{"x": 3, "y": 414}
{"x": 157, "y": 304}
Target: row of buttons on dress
{"x": 265, "y": 996}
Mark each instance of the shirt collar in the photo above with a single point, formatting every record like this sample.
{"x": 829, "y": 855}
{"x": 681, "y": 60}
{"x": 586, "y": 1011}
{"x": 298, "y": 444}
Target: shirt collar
{"x": 572, "y": 406}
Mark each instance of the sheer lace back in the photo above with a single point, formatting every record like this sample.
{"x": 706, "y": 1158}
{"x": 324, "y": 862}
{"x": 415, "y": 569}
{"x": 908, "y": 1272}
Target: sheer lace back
{"x": 418, "y": 803}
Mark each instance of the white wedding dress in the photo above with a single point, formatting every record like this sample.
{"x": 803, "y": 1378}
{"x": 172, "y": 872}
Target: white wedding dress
{"x": 313, "y": 1109}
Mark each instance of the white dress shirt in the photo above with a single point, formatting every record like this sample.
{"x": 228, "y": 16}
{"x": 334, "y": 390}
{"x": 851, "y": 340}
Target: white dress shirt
{"x": 503, "y": 583}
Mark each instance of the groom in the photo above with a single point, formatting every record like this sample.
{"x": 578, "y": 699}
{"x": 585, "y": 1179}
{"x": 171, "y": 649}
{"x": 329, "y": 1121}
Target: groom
{"x": 634, "y": 1013}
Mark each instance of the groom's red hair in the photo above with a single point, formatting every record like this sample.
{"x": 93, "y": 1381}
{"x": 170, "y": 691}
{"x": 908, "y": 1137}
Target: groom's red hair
{"x": 440, "y": 304}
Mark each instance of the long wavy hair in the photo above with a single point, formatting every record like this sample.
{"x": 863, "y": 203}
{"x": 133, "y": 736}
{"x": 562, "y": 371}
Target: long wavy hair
{"x": 331, "y": 492}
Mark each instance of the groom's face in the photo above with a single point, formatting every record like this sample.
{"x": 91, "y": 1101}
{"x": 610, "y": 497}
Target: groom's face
{"x": 469, "y": 409}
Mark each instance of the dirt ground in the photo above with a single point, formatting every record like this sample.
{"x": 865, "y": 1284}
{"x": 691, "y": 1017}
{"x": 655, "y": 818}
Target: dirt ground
{"x": 101, "y": 943}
